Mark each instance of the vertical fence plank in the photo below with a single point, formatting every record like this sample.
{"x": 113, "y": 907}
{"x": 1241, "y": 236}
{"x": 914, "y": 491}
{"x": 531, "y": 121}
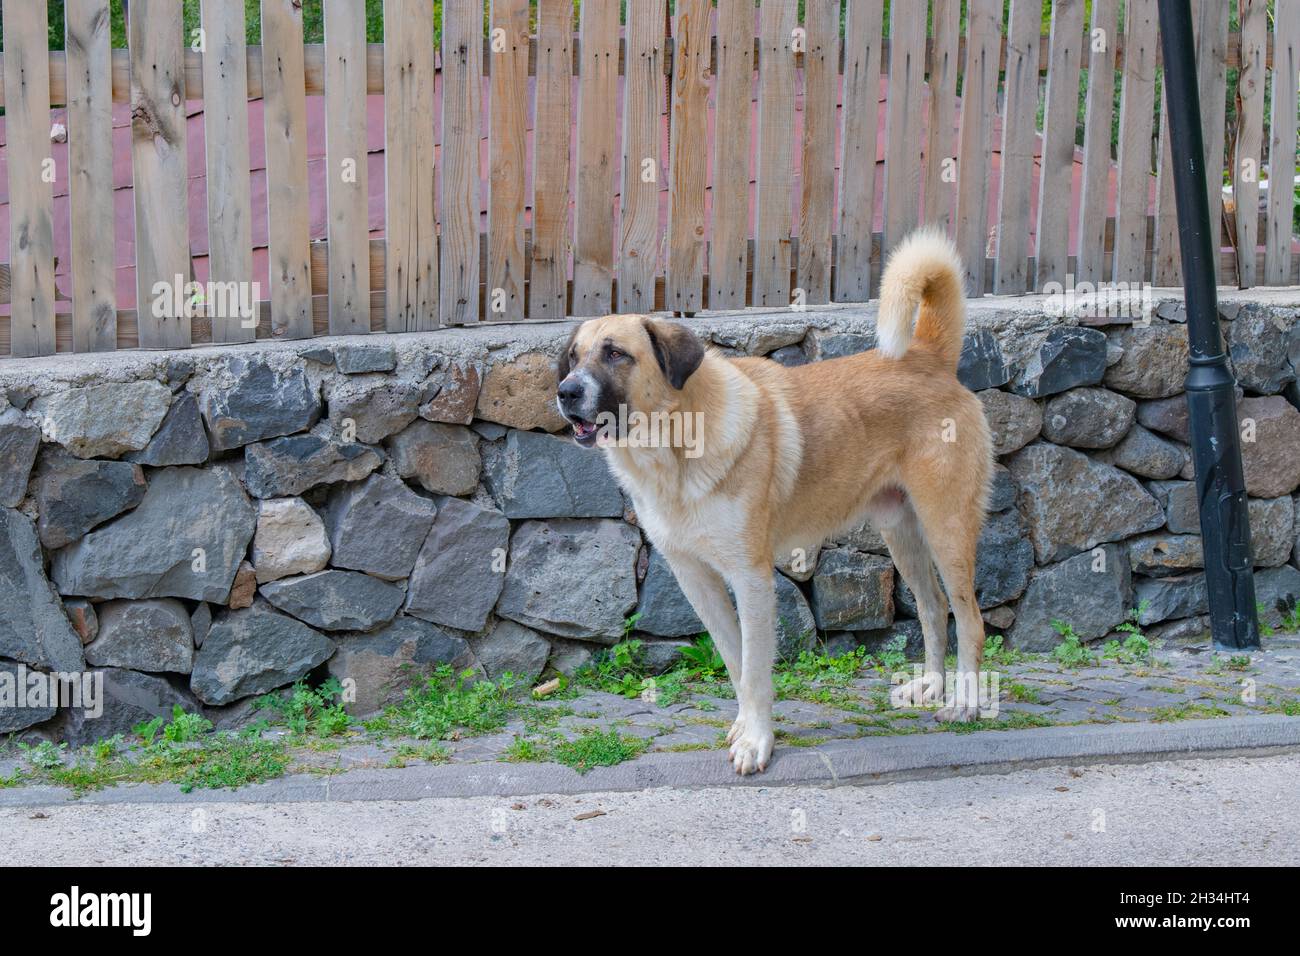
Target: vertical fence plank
{"x": 1055, "y": 183}
{"x": 688, "y": 163}
{"x": 1282, "y": 142}
{"x": 162, "y": 231}
{"x": 1095, "y": 186}
{"x": 638, "y": 258}
{"x": 979, "y": 101}
{"x": 729, "y": 255}
{"x": 1011, "y": 268}
{"x": 1212, "y": 81}
{"x": 862, "y": 29}
{"x": 1249, "y": 140}
{"x": 939, "y": 157}
{"x": 507, "y": 133}
{"x": 1166, "y": 265}
{"x": 1135, "y": 122}
{"x": 288, "y": 212}
{"x": 903, "y": 111}
{"x": 90, "y": 174}
{"x": 225, "y": 119}
{"x": 593, "y": 265}
{"x": 346, "y": 181}
{"x": 547, "y": 297}
{"x": 772, "y": 220}
{"x": 817, "y": 192}
{"x": 31, "y": 198}
{"x": 411, "y": 261}
{"x": 462, "y": 70}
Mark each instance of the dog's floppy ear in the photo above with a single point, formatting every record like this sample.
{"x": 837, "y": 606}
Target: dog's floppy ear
{"x": 562, "y": 364}
{"x": 677, "y": 350}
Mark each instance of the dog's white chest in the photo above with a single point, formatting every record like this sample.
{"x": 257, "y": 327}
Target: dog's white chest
{"x": 707, "y": 530}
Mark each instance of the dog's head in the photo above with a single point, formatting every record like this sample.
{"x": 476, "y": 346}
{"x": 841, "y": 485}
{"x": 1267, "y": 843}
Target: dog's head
{"x": 622, "y": 362}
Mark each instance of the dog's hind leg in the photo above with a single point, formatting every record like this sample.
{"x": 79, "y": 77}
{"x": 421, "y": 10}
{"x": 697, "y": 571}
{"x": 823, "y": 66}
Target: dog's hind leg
{"x": 707, "y": 593}
{"x": 952, "y": 530}
{"x": 911, "y": 554}
{"x": 751, "y": 737}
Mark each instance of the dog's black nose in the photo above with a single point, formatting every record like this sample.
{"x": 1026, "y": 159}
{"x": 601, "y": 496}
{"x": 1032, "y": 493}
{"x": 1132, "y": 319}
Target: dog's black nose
{"x": 570, "y": 390}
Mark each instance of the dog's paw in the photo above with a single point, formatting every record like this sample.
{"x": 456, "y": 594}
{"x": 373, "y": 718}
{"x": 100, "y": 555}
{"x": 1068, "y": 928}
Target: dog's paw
{"x": 957, "y": 713}
{"x": 920, "y": 692}
{"x": 737, "y": 730}
{"x": 751, "y": 750}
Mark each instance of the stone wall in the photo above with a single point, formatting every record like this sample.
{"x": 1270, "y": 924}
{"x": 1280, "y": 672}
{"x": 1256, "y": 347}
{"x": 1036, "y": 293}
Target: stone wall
{"x": 204, "y": 527}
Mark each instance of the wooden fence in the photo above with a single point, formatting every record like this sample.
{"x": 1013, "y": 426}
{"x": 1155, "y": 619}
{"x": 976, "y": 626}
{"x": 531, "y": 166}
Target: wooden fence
{"x": 725, "y": 156}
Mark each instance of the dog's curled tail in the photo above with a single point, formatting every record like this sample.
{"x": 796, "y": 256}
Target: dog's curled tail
{"x": 923, "y": 273}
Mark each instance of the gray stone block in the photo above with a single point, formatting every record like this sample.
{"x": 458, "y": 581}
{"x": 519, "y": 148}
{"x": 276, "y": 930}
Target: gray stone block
{"x": 572, "y": 578}
{"x": 74, "y": 495}
{"x": 460, "y": 569}
{"x": 377, "y": 526}
{"x": 336, "y": 600}
{"x": 531, "y": 475}
{"x": 103, "y": 421}
{"x": 253, "y": 651}
{"x": 1090, "y": 592}
{"x": 153, "y": 635}
{"x": 252, "y": 401}
{"x": 185, "y": 539}
{"x": 1072, "y": 503}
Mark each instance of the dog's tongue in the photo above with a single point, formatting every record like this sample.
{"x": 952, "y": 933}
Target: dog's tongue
{"x": 583, "y": 429}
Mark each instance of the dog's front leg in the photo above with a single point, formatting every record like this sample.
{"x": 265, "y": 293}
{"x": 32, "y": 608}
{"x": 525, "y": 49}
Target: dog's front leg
{"x": 751, "y": 736}
{"x": 707, "y": 593}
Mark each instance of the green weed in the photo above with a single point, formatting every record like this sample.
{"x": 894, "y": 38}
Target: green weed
{"x": 1071, "y": 652}
{"x": 598, "y": 748}
{"x": 316, "y": 710}
{"x": 449, "y": 705}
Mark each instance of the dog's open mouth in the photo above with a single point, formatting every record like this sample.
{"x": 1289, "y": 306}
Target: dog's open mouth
{"x": 584, "y": 432}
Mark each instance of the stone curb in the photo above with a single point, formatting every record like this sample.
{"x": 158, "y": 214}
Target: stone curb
{"x": 862, "y": 761}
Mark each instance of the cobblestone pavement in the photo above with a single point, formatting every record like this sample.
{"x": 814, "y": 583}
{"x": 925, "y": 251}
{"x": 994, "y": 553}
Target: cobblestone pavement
{"x": 820, "y": 704}
{"x": 1178, "y": 683}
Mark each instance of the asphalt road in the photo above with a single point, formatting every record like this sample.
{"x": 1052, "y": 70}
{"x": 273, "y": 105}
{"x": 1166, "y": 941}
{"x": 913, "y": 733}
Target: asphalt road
{"x": 1193, "y": 812}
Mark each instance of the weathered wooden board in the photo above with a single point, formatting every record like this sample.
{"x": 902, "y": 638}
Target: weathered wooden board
{"x": 861, "y": 96}
{"x": 1282, "y": 142}
{"x": 940, "y": 146}
{"x": 462, "y": 27}
{"x": 1055, "y": 183}
{"x": 160, "y": 171}
{"x": 688, "y": 162}
{"x": 1249, "y": 144}
{"x": 975, "y": 150}
{"x": 1137, "y": 102}
{"x": 643, "y": 97}
{"x": 729, "y": 254}
{"x": 817, "y": 184}
{"x": 547, "y": 297}
{"x": 288, "y": 203}
{"x": 904, "y": 111}
{"x": 409, "y": 174}
{"x": 508, "y": 109}
{"x": 90, "y": 174}
{"x": 225, "y": 129}
{"x": 346, "y": 177}
{"x": 593, "y": 249}
{"x": 1024, "y": 24}
{"x": 773, "y": 218}
{"x": 1100, "y": 108}
{"x": 1212, "y": 81}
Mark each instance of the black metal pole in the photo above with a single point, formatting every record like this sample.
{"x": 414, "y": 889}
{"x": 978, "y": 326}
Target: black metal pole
{"x": 1216, "y": 445}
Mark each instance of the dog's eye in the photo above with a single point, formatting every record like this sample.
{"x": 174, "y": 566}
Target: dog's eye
{"x": 615, "y": 354}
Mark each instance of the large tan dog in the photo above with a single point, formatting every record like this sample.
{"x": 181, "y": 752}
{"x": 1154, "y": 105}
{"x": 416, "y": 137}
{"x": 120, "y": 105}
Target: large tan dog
{"x": 766, "y": 460}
